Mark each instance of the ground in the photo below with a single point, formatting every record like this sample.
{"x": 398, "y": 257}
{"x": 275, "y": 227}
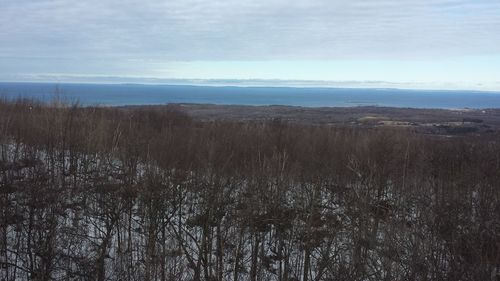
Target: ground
{"x": 433, "y": 121}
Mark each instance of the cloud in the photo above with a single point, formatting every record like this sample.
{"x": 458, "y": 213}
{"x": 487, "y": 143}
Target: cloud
{"x": 249, "y": 29}
{"x": 132, "y": 37}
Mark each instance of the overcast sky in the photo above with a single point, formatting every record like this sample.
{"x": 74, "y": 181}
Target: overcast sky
{"x": 404, "y": 43}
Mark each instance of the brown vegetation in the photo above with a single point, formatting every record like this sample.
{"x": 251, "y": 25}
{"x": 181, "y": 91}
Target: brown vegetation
{"x": 150, "y": 194}
{"x": 428, "y": 121}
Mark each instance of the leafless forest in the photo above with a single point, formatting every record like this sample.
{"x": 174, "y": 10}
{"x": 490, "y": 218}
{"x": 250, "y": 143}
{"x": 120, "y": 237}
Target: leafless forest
{"x": 152, "y": 194}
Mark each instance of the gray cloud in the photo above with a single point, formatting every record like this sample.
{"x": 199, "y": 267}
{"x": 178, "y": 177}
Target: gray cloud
{"x": 127, "y": 37}
{"x": 248, "y": 29}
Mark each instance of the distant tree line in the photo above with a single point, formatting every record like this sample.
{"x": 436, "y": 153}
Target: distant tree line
{"x": 89, "y": 193}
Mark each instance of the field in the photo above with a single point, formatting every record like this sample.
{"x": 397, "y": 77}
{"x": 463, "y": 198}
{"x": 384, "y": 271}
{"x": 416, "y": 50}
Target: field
{"x": 205, "y": 192}
{"x": 429, "y": 121}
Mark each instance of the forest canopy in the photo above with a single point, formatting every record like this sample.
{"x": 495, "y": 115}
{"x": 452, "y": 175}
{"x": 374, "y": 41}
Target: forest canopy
{"x": 94, "y": 193}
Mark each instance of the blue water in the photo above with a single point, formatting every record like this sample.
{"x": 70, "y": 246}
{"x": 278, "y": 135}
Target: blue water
{"x": 139, "y": 94}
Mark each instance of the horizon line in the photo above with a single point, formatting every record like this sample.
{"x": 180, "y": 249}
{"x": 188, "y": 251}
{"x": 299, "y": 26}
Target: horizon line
{"x": 236, "y": 83}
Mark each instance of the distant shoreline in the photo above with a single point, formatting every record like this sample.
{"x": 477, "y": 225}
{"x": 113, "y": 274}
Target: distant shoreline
{"x": 141, "y": 94}
{"x": 256, "y": 86}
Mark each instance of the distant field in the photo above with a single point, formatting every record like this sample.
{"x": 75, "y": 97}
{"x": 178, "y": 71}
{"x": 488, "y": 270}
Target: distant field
{"x": 434, "y": 121}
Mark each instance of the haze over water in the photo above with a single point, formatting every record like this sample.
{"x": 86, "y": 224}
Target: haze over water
{"x": 140, "y": 94}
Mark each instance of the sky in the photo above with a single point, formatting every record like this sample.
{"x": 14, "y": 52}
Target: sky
{"x": 431, "y": 44}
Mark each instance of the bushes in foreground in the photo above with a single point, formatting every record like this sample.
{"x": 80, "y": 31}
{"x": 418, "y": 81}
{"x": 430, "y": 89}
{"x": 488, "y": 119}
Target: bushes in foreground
{"x": 130, "y": 194}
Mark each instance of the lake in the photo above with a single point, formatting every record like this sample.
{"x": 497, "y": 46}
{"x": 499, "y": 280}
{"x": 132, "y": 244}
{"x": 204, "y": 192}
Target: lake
{"x": 141, "y": 94}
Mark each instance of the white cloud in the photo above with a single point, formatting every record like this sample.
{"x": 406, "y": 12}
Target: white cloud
{"x": 103, "y": 36}
{"x": 258, "y": 29}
